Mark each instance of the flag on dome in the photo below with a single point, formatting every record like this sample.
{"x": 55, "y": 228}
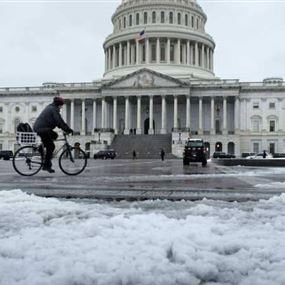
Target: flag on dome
{"x": 140, "y": 36}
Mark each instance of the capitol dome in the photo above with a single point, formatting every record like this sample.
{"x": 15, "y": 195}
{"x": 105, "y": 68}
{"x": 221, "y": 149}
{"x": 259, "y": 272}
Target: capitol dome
{"x": 167, "y": 36}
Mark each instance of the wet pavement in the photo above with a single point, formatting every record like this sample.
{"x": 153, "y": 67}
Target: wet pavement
{"x": 149, "y": 179}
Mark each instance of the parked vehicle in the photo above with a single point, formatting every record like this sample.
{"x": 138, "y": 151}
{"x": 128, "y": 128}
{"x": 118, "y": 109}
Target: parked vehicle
{"x": 194, "y": 151}
{"x": 105, "y": 154}
{"x": 6, "y": 154}
{"x": 246, "y": 154}
{"x": 259, "y": 156}
{"x": 221, "y": 154}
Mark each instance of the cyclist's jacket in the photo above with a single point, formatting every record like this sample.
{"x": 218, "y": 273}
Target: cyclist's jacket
{"x": 49, "y": 119}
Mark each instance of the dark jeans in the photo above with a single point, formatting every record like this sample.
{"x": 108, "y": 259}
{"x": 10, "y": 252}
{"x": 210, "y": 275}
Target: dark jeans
{"x": 48, "y": 137}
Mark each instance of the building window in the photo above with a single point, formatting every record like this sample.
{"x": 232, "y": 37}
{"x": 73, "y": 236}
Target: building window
{"x": 192, "y": 21}
{"x": 255, "y": 125}
{"x": 255, "y": 105}
{"x": 153, "y": 52}
{"x": 172, "y": 49}
{"x": 186, "y": 20}
{"x": 145, "y": 17}
{"x": 197, "y": 23}
{"x": 17, "y": 109}
{"x": 272, "y": 148}
{"x": 125, "y": 22}
{"x": 34, "y": 108}
{"x": 179, "y": 19}
{"x": 162, "y": 52}
{"x": 120, "y": 24}
{"x": 137, "y": 19}
{"x": 256, "y": 148}
{"x": 162, "y": 19}
{"x": 153, "y": 17}
{"x": 130, "y": 20}
{"x": 271, "y": 105}
{"x": 271, "y": 126}
{"x": 1, "y": 109}
{"x": 171, "y": 17}
{"x": 143, "y": 53}
{"x": 1, "y": 146}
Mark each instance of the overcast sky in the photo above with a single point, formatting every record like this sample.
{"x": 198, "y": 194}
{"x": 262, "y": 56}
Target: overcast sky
{"x": 61, "y": 41}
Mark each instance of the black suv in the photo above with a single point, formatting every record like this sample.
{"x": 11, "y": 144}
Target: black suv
{"x": 194, "y": 151}
{"x": 6, "y": 154}
{"x": 105, "y": 154}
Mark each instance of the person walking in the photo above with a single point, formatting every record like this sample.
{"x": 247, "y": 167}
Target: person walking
{"x": 264, "y": 154}
{"x": 162, "y": 154}
{"x": 134, "y": 154}
{"x": 49, "y": 119}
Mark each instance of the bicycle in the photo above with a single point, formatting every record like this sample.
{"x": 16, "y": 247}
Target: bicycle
{"x": 28, "y": 159}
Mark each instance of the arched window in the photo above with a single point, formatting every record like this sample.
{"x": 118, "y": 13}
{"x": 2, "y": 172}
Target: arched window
{"x": 172, "y": 49}
{"x": 153, "y": 17}
{"x": 162, "y": 17}
{"x": 179, "y": 18}
{"x": 186, "y": 20}
{"x": 256, "y": 123}
{"x": 137, "y": 19}
{"x": 145, "y": 17}
{"x": 192, "y": 21}
{"x": 120, "y": 24}
{"x": 153, "y": 52}
{"x": 16, "y": 123}
{"x": 130, "y": 20}
{"x": 171, "y": 17}
{"x": 125, "y": 22}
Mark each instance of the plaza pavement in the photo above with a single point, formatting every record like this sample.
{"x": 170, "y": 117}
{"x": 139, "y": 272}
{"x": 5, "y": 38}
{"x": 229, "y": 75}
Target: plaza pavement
{"x": 147, "y": 179}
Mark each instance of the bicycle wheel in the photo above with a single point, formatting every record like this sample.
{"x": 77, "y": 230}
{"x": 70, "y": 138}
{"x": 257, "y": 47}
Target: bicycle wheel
{"x": 72, "y": 161}
{"x": 27, "y": 160}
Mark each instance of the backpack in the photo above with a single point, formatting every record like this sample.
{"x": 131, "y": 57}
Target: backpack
{"x": 24, "y": 128}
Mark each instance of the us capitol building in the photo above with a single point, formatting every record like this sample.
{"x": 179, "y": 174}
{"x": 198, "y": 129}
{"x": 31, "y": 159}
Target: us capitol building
{"x": 159, "y": 79}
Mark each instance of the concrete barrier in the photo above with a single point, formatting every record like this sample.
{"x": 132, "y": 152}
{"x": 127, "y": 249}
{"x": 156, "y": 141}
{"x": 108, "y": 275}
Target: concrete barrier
{"x": 250, "y": 162}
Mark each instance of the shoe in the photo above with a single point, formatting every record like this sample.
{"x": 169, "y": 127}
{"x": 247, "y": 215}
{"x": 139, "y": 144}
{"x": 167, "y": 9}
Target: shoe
{"x": 48, "y": 169}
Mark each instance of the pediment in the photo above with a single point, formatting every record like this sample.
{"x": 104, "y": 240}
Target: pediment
{"x": 145, "y": 78}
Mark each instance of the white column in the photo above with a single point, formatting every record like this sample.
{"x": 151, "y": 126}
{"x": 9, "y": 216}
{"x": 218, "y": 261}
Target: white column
{"x": 137, "y": 52}
{"x": 83, "y": 127}
{"x": 200, "y": 130}
{"x": 64, "y": 112}
{"x": 139, "y": 116}
{"x": 72, "y": 114}
{"x": 110, "y": 58}
{"x": 178, "y": 52}
{"x": 224, "y": 115}
{"x": 128, "y": 53}
{"x": 106, "y": 60}
{"x": 237, "y": 115}
{"x": 157, "y": 51}
{"x": 163, "y": 115}
{"x": 127, "y": 111}
{"x": 175, "y": 111}
{"x": 196, "y": 54}
{"x": 150, "y": 131}
{"x": 103, "y": 113}
{"x": 203, "y": 56}
{"x": 120, "y": 54}
{"x": 94, "y": 124}
{"x": 188, "y": 112}
{"x": 213, "y": 131}
{"x": 188, "y": 52}
{"x": 168, "y": 51}
{"x": 147, "y": 51}
{"x": 115, "y": 107}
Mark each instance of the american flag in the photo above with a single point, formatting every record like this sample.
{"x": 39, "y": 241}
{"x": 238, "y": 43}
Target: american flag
{"x": 140, "y": 36}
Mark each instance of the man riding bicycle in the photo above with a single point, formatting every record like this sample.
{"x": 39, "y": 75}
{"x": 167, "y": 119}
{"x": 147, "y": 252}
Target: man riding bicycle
{"x": 49, "y": 119}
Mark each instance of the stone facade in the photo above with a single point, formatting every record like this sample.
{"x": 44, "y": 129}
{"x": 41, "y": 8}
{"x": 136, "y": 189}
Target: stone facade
{"x": 143, "y": 92}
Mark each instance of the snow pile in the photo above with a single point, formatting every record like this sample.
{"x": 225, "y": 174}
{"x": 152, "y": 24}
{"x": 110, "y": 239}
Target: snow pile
{"x": 48, "y": 241}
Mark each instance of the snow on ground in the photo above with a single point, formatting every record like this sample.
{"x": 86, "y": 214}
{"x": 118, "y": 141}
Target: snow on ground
{"x": 50, "y": 241}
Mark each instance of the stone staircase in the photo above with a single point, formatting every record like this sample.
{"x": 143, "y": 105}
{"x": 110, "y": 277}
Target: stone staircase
{"x": 146, "y": 146}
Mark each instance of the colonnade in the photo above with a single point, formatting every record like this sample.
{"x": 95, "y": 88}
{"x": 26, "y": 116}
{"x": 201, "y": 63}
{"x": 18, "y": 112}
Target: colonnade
{"x": 159, "y": 50}
{"x": 114, "y": 124}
